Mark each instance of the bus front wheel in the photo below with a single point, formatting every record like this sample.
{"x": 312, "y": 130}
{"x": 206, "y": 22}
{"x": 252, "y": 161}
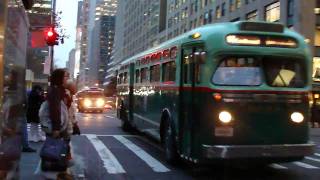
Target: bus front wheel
{"x": 170, "y": 145}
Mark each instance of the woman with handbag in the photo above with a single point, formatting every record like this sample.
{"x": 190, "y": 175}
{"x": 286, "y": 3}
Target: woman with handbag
{"x": 55, "y": 111}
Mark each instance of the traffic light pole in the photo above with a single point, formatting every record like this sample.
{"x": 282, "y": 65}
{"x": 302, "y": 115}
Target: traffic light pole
{"x": 52, "y": 47}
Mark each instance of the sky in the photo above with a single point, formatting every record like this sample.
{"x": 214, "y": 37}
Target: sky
{"x": 69, "y": 10}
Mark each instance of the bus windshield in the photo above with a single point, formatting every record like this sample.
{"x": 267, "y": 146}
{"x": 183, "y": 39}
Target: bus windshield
{"x": 278, "y": 72}
{"x": 284, "y": 72}
{"x": 238, "y": 72}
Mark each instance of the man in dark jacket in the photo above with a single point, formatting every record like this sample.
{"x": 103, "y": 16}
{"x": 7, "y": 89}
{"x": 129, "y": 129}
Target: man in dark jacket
{"x": 35, "y": 100}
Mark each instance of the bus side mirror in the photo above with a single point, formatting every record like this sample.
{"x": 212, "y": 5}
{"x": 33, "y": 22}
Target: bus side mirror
{"x": 200, "y": 57}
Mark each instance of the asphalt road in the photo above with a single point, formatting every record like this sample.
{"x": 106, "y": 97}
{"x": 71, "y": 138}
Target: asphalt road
{"x": 104, "y": 151}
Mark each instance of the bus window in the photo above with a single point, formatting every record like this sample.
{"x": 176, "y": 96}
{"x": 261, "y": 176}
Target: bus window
{"x": 125, "y": 78}
{"x": 144, "y": 77}
{"x": 155, "y": 73}
{"x": 169, "y": 71}
{"x": 137, "y": 76}
{"x": 120, "y": 78}
{"x": 238, "y": 72}
{"x": 186, "y": 67}
{"x": 284, "y": 72}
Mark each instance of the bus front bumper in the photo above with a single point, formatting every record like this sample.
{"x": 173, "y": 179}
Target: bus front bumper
{"x": 257, "y": 151}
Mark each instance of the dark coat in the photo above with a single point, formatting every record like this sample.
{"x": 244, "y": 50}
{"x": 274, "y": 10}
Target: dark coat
{"x": 35, "y": 100}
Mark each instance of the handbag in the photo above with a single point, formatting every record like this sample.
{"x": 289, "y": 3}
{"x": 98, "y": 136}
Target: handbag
{"x": 75, "y": 129}
{"x": 10, "y": 149}
{"x": 54, "y": 149}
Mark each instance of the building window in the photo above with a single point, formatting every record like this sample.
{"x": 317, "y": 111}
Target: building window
{"x": 196, "y": 6}
{"x": 238, "y": 4}
{"x": 206, "y": 18}
{"x": 247, "y": 1}
{"x": 272, "y": 12}
{"x": 223, "y": 6}
{"x": 252, "y": 16}
{"x": 231, "y": 5}
{"x": 290, "y": 12}
{"x": 317, "y": 38}
{"x": 218, "y": 12}
{"x": 210, "y": 15}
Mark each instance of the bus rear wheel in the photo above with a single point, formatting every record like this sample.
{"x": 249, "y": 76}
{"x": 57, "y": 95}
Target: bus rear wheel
{"x": 170, "y": 145}
{"x": 125, "y": 125}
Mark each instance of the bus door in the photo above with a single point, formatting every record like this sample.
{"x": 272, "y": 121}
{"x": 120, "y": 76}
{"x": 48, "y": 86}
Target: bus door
{"x": 188, "y": 114}
{"x": 131, "y": 99}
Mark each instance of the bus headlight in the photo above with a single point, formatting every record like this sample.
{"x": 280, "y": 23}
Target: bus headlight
{"x": 297, "y": 117}
{"x": 225, "y": 117}
{"x": 87, "y": 102}
{"x": 100, "y": 102}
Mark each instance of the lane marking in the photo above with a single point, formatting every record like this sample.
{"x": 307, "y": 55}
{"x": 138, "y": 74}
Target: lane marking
{"x": 110, "y": 135}
{"x": 147, "y": 120}
{"x": 110, "y": 116}
{"x": 278, "y": 166}
{"x": 110, "y": 162}
{"x": 152, "y": 162}
{"x": 305, "y": 165}
{"x": 312, "y": 159}
{"x": 317, "y": 154}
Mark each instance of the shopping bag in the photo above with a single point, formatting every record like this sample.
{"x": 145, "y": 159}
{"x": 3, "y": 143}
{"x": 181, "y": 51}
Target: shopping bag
{"x": 54, "y": 149}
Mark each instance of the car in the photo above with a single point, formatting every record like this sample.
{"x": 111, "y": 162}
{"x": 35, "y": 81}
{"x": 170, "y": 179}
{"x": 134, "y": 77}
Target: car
{"x": 91, "y": 100}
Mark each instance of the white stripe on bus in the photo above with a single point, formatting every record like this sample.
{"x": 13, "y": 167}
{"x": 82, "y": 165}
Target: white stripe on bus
{"x": 152, "y": 162}
{"x": 110, "y": 162}
{"x": 305, "y": 165}
{"x": 148, "y": 120}
{"x": 278, "y": 166}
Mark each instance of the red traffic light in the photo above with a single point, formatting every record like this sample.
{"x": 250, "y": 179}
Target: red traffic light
{"x": 49, "y": 33}
{"x": 52, "y": 37}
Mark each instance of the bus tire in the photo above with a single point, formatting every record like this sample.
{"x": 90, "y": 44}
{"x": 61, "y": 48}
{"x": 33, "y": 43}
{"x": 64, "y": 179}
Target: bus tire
{"x": 170, "y": 145}
{"x": 125, "y": 125}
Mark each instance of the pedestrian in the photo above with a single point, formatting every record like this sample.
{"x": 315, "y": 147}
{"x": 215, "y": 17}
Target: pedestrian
{"x": 35, "y": 99}
{"x": 72, "y": 123}
{"x": 54, "y": 117}
{"x": 315, "y": 113}
{"x": 56, "y": 94}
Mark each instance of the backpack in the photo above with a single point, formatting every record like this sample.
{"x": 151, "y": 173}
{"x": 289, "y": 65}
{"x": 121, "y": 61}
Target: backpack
{"x": 45, "y": 120}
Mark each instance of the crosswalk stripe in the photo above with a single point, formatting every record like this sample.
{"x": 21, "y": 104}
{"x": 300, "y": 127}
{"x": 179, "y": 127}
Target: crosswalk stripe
{"x": 317, "y": 154}
{"x": 278, "y": 166}
{"x": 110, "y": 162}
{"x": 305, "y": 165}
{"x": 152, "y": 162}
{"x": 110, "y": 117}
{"x": 313, "y": 159}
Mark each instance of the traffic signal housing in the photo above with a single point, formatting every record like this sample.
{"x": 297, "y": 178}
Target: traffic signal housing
{"x": 52, "y": 37}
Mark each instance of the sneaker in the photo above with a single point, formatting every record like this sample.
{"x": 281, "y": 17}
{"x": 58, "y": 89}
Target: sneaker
{"x": 28, "y": 149}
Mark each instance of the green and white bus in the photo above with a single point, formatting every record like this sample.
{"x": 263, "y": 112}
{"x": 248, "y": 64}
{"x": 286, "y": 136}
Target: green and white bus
{"x": 224, "y": 91}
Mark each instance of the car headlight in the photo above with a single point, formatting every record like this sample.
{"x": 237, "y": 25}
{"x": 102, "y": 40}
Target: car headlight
{"x": 297, "y": 117}
{"x": 225, "y": 117}
{"x": 100, "y": 102}
{"x": 87, "y": 102}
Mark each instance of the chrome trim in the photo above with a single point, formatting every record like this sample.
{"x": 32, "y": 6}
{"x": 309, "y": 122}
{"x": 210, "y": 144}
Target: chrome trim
{"x": 257, "y": 151}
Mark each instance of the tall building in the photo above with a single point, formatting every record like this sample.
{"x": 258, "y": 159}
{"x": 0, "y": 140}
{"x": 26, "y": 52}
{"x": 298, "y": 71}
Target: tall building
{"x": 146, "y": 23}
{"x": 140, "y": 22}
{"x": 103, "y": 36}
{"x": 70, "y": 64}
{"x": 38, "y": 51}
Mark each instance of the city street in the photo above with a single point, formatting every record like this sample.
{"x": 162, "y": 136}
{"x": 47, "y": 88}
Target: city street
{"x": 104, "y": 151}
